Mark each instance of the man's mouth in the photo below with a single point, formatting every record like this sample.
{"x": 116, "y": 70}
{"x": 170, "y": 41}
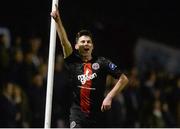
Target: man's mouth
{"x": 86, "y": 49}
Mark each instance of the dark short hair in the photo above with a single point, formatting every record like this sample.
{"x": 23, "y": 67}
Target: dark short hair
{"x": 85, "y": 33}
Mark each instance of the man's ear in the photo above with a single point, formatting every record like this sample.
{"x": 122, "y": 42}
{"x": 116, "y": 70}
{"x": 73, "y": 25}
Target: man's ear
{"x": 76, "y": 46}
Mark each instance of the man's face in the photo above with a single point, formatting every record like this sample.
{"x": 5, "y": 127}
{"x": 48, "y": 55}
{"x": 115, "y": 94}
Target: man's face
{"x": 84, "y": 45}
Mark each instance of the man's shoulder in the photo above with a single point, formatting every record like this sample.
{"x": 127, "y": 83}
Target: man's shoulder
{"x": 101, "y": 60}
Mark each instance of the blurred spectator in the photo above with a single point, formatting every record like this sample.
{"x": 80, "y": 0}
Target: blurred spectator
{"x": 147, "y": 90}
{"x": 17, "y": 43}
{"x": 35, "y": 45}
{"x": 8, "y": 110}
{"x": 22, "y": 105}
{"x": 168, "y": 117}
{"x": 15, "y": 71}
{"x": 28, "y": 70}
{"x": 176, "y": 101}
{"x": 37, "y": 100}
{"x": 155, "y": 119}
{"x": 132, "y": 99}
{"x": 4, "y": 58}
{"x": 43, "y": 69}
{"x": 6, "y": 32}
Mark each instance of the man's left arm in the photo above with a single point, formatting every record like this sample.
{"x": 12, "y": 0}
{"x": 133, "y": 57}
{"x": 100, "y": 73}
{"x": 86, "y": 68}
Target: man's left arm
{"x": 119, "y": 86}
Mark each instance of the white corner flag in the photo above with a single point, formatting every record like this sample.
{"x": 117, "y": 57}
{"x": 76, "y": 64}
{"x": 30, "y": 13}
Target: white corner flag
{"x": 49, "y": 92}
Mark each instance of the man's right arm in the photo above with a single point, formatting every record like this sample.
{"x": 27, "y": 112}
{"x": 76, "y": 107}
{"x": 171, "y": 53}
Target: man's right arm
{"x": 66, "y": 45}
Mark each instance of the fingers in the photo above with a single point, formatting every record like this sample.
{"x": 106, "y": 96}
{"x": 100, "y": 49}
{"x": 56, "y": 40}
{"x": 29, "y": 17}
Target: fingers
{"x": 105, "y": 107}
{"x": 102, "y": 109}
{"x": 106, "y": 104}
{"x": 53, "y": 14}
{"x": 54, "y": 11}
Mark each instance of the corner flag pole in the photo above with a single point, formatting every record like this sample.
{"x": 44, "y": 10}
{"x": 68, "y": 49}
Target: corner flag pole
{"x": 49, "y": 92}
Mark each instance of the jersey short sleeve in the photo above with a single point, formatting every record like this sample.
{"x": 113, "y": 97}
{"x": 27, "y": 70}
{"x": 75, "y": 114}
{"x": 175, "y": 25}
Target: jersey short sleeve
{"x": 111, "y": 68}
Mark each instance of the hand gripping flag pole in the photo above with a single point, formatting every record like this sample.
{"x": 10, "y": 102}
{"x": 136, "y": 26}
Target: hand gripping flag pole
{"x": 49, "y": 92}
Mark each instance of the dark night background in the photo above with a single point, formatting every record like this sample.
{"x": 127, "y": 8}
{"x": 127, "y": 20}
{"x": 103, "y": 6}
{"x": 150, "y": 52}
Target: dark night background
{"x": 116, "y": 24}
{"x": 141, "y": 36}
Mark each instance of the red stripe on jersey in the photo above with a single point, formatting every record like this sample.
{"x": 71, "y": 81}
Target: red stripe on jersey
{"x": 85, "y": 92}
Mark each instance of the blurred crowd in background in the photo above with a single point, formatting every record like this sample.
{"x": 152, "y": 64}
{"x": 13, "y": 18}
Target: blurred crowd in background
{"x": 151, "y": 99}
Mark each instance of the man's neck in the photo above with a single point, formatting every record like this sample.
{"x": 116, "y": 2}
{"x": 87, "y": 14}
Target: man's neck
{"x": 86, "y": 58}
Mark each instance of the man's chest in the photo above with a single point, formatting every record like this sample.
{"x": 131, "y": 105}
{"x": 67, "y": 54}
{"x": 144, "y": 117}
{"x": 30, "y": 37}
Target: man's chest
{"x": 86, "y": 72}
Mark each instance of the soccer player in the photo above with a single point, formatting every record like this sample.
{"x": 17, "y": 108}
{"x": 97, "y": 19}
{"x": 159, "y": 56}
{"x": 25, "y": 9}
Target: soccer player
{"x": 88, "y": 78}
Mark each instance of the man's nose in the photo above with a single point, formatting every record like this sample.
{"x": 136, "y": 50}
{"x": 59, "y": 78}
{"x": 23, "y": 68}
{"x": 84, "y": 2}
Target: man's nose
{"x": 85, "y": 43}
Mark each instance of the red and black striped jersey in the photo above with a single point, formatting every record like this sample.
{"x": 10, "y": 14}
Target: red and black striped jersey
{"x": 88, "y": 81}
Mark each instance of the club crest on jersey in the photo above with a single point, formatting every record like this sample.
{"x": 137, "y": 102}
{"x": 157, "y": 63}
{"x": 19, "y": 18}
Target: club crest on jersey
{"x": 95, "y": 66}
{"x": 112, "y": 66}
{"x": 86, "y": 77}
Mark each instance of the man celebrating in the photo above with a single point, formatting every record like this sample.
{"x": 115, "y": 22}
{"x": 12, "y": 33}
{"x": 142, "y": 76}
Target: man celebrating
{"x": 88, "y": 78}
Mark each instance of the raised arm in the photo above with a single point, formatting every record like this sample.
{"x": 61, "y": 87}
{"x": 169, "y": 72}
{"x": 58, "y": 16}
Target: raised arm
{"x": 119, "y": 86}
{"x": 66, "y": 45}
